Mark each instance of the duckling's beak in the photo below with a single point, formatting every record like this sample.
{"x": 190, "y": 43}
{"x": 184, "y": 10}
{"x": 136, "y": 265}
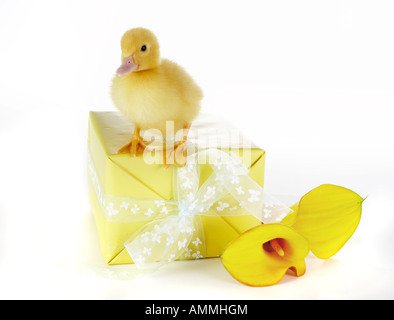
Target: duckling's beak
{"x": 126, "y": 67}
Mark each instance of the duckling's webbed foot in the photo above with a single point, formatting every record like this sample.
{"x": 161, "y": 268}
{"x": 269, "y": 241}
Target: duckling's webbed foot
{"x": 136, "y": 146}
{"x": 178, "y": 153}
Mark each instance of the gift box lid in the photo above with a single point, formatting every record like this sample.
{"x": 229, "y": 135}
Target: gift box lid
{"x": 108, "y": 131}
{"x": 207, "y": 131}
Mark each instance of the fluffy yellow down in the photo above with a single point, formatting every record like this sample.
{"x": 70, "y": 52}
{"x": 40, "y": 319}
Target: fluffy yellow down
{"x": 158, "y": 90}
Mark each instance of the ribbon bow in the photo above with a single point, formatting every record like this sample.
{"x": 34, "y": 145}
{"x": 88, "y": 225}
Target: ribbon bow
{"x": 176, "y": 228}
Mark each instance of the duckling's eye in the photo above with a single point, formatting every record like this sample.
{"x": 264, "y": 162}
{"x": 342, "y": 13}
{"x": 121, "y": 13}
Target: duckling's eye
{"x": 143, "y": 48}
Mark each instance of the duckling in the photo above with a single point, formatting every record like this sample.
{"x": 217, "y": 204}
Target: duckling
{"x": 149, "y": 91}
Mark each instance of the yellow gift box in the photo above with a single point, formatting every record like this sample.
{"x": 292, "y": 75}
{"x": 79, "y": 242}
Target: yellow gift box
{"x": 123, "y": 175}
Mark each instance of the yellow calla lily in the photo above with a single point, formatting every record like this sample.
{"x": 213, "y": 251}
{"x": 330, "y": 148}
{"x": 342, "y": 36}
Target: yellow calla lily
{"x": 262, "y": 255}
{"x": 327, "y": 217}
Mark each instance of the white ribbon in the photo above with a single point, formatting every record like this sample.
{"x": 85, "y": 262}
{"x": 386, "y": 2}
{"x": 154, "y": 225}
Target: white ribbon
{"x": 176, "y": 228}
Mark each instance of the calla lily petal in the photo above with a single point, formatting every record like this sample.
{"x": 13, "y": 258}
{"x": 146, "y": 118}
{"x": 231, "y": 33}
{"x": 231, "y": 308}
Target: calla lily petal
{"x": 253, "y": 260}
{"x": 327, "y": 216}
{"x": 290, "y": 219}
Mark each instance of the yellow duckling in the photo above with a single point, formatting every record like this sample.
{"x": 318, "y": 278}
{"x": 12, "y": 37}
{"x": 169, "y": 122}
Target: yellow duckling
{"x": 149, "y": 90}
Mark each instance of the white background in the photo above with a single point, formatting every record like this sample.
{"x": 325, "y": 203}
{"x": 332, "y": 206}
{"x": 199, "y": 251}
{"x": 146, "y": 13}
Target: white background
{"x": 309, "y": 81}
